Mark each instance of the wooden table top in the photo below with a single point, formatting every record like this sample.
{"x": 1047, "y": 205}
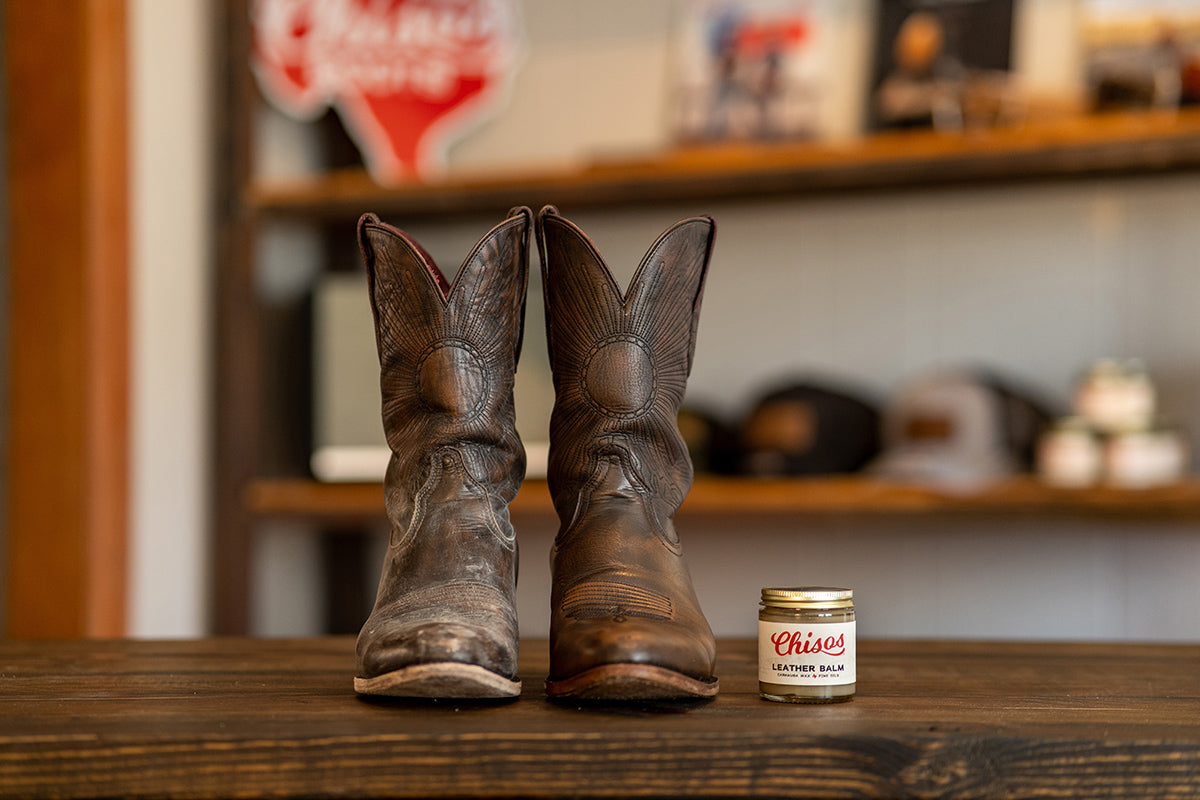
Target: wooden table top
{"x": 254, "y": 718}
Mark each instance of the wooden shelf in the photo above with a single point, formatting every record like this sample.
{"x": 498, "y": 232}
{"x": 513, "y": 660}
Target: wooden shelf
{"x": 1101, "y": 145}
{"x": 748, "y": 496}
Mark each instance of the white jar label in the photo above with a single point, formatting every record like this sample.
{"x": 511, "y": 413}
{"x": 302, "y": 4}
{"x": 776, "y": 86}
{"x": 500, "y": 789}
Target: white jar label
{"x": 797, "y": 654}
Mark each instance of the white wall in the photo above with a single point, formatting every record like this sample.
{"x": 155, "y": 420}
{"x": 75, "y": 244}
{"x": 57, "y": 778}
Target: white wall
{"x": 171, "y": 250}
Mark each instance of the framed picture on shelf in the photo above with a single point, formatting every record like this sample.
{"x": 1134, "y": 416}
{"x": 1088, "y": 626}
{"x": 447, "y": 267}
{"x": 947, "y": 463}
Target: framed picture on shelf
{"x": 944, "y": 64}
{"x": 750, "y": 70}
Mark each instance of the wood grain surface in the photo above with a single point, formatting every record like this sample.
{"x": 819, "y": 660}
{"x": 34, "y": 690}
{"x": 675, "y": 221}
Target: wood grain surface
{"x": 278, "y": 718}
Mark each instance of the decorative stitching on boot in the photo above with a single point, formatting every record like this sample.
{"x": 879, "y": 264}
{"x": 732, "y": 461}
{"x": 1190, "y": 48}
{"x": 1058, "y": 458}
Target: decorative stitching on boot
{"x": 604, "y": 599}
{"x": 618, "y": 376}
{"x": 447, "y": 458}
{"x": 451, "y": 378}
{"x": 460, "y": 597}
{"x": 615, "y": 449}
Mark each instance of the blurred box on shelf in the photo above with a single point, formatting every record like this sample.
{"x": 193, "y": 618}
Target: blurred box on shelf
{"x": 1142, "y": 54}
{"x": 348, "y": 442}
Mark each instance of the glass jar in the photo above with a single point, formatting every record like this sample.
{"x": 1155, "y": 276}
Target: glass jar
{"x": 806, "y": 645}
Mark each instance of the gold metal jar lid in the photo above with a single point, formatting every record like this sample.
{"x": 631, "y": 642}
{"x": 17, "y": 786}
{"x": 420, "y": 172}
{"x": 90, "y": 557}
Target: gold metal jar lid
{"x": 808, "y": 597}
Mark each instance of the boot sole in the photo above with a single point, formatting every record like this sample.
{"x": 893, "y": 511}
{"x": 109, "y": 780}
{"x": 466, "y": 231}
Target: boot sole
{"x": 448, "y": 681}
{"x": 626, "y": 682}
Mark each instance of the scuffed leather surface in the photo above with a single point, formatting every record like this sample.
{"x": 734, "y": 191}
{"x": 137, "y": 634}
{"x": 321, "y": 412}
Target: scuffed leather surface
{"x": 447, "y": 352}
{"x": 618, "y": 466}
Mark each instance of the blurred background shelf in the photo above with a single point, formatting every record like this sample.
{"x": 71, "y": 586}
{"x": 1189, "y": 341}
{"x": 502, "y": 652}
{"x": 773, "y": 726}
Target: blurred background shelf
{"x": 309, "y": 499}
{"x": 1036, "y": 247}
{"x": 1085, "y": 146}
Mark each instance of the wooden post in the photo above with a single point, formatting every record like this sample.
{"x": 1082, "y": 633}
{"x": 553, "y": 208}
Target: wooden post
{"x": 68, "y": 263}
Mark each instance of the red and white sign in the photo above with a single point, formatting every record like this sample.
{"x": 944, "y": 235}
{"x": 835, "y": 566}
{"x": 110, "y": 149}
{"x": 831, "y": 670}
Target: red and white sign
{"x": 406, "y": 76}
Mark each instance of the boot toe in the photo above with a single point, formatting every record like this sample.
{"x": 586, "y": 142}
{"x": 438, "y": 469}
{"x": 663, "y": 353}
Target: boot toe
{"x": 582, "y": 645}
{"x": 389, "y": 648}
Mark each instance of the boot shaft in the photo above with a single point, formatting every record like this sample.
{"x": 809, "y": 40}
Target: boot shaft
{"x": 621, "y": 360}
{"x": 447, "y": 354}
{"x": 625, "y": 621}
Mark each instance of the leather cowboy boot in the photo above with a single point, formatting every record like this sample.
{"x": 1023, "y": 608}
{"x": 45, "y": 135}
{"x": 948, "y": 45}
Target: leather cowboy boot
{"x": 444, "y": 623}
{"x": 625, "y": 622}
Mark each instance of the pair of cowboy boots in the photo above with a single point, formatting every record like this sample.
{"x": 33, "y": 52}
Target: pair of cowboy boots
{"x": 625, "y": 624}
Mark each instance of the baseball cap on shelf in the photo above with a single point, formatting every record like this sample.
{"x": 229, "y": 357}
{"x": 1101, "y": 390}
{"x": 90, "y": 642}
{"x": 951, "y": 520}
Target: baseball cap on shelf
{"x": 711, "y": 442}
{"x": 960, "y": 430}
{"x": 807, "y": 428}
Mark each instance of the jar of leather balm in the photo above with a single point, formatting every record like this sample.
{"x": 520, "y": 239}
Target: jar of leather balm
{"x": 806, "y": 651}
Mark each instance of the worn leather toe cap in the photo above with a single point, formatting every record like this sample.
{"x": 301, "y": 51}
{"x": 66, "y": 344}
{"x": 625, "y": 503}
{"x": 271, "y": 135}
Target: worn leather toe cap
{"x": 580, "y": 645}
{"x": 386, "y": 648}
